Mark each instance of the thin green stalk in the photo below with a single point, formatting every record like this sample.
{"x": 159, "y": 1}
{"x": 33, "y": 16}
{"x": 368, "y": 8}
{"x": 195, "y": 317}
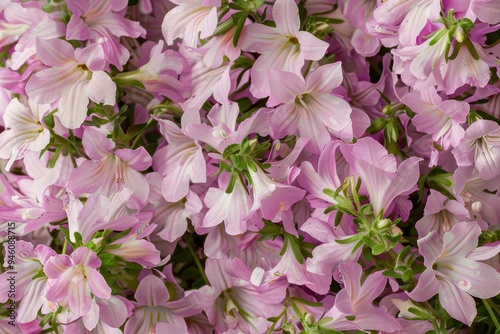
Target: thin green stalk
{"x": 492, "y": 314}
{"x": 197, "y": 261}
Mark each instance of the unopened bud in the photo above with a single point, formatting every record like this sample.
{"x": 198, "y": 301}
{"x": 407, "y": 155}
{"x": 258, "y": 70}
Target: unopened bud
{"x": 476, "y": 207}
{"x": 382, "y": 224}
{"x": 460, "y": 34}
{"x": 395, "y": 230}
{"x": 309, "y": 319}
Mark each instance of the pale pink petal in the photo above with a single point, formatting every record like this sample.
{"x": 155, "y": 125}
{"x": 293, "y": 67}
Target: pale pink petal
{"x": 113, "y": 311}
{"x": 54, "y": 52}
{"x": 73, "y": 103}
{"x": 97, "y": 284}
{"x": 456, "y": 302}
{"x": 152, "y": 292}
{"x": 57, "y": 265}
{"x": 427, "y": 286}
{"x": 461, "y": 240}
{"x": 285, "y": 121}
{"x": 485, "y": 252}
{"x": 47, "y": 85}
{"x": 97, "y": 145}
{"x": 79, "y": 299}
{"x": 311, "y": 47}
{"x": 285, "y": 86}
{"x": 101, "y": 89}
{"x": 32, "y": 301}
{"x": 325, "y": 78}
{"x": 286, "y": 16}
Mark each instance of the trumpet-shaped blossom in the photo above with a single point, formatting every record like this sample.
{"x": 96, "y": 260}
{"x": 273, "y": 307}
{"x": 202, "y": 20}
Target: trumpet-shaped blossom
{"x": 309, "y": 107}
{"x": 25, "y": 131}
{"x": 440, "y": 214}
{"x": 231, "y": 208}
{"x": 205, "y": 81}
{"x": 356, "y": 299}
{"x": 153, "y": 307}
{"x": 282, "y": 48}
{"x": 30, "y": 291}
{"x": 160, "y": 74}
{"x": 135, "y": 248}
{"x": 102, "y": 22}
{"x": 190, "y": 20}
{"x": 453, "y": 271}
{"x": 476, "y": 195}
{"x": 99, "y": 212}
{"x": 480, "y": 147}
{"x": 110, "y": 171}
{"x": 74, "y": 279}
{"x": 379, "y": 172}
{"x": 180, "y": 161}
{"x": 74, "y": 77}
{"x": 441, "y": 119}
{"x": 237, "y": 305}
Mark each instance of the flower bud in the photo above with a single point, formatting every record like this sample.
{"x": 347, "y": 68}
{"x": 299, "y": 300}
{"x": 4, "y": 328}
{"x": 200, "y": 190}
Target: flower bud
{"x": 476, "y": 207}
{"x": 383, "y": 224}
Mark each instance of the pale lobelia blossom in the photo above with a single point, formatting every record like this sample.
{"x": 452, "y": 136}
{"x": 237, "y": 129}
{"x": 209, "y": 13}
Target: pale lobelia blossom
{"x": 282, "y": 48}
{"x": 103, "y": 22}
{"x": 480, "y": 146}
{"x": 24, "y": 132}
{"x": 74, "y": 78}
{"x": 74, "y": 279}
{"x": 110, "y": 170}
{"x": 309, "y": 107}
{"x": 454, "y": 271}
{"x": 29, "y": 286}
{"x": 190, "y": 20}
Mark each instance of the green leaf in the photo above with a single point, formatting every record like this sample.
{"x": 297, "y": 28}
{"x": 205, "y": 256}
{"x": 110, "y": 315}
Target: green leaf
{"x": 438, "y": 36}
{"x": 377, "y": 125}
{"x": 349, "y": 240}
{"x": 224, "y": 27}
{"x": 232, "y": 183}
{"x": 294, "y": 243}
{"x": 378, "y": 249}
{"x": 239, "y": 21}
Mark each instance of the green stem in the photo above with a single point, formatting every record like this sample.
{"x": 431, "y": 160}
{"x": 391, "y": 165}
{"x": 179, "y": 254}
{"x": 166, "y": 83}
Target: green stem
{"x": 308, "y": 68}
{"x": 197, "y": 260}
{"x": 492, "y": 314}
{"x": 65, "y": 246}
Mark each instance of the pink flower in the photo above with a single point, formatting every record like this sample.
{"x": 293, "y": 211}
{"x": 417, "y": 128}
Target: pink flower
{"x": 441, "y": 119}
{"x": 440, "y": 214}
{"x": 454, "y": 272}
{"x": 236, "y": 304}
{"x": 189, "y": 19}
{"x": 135, "y": 248}
{"x": 73, "y": 279}
{"x": 102, "y": 22}
{"x": 74, "y": 78}
{"x": 180, "y": 161}
{"x": 356, "y": 299}
{"x": 98, "y": 213}
{"x": 30, "y": 291}
{"x": 24, "y": 131}
{"x": 110, "y": 171}
{"x": 309, "y": 107}
{"x": 232, "y": 208}
{"x": 282, "y": 48}
{"x": 480, "y": 146}
{"x": 153, "y": 307}
{"x": 160, "y": 74}
{"x": 379, "y": 172}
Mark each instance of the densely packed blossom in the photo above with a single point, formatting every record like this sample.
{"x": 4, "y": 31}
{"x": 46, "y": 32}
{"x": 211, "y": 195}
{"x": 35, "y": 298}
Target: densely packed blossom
{"x": 209, "y": 166}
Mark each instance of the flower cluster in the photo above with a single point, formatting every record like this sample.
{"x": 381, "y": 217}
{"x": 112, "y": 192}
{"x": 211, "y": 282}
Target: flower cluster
{"x": 209, "y": 166}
